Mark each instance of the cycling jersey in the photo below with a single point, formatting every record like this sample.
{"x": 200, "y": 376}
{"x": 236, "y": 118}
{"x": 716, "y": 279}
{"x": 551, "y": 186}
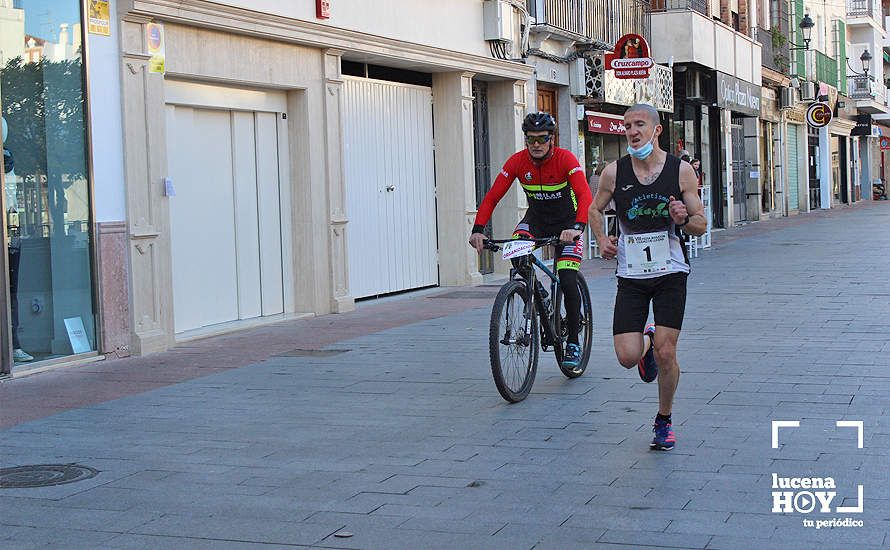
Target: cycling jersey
{"x": 557, "y": 191}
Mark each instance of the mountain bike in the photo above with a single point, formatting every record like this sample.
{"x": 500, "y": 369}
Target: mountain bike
{"x": 524, "y": 317}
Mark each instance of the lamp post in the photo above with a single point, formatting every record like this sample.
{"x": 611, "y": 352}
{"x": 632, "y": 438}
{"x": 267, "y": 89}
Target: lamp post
{"x": 806, "y": 30}
{"x": 865, "y": 59}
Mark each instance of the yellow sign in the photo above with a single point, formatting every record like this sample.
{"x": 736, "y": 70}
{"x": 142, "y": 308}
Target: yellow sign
{"x": 99, "y": 18}
{"x": 154, "y": 40}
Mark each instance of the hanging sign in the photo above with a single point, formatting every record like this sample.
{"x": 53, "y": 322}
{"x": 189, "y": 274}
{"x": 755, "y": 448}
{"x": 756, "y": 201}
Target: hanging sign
{"x": 631, "y": 57}
{"x": 885, "y": 143}
{"x": 323, "y": 9}
{"x": 863, "y": 125}
{"x": 818, "y": 114}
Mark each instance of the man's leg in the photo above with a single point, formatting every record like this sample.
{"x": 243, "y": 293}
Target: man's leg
{"x": 668, "y": 306}
{"x": 668, "y": 367}
{"x": 568, "y": 261}
{"x": 631, "y": 311}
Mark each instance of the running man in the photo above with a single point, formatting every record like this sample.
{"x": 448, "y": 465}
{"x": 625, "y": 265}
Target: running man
{"x": 656, "y": 196}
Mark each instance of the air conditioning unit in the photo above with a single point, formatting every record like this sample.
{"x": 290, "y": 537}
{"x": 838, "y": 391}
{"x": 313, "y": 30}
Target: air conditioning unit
{"x": 694, "y": 88}
{"x": 786, "y": 98}
{"x": 807, "y": 91}
{"x": 497, "y": 20}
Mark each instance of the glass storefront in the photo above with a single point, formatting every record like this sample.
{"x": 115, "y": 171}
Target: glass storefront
{"x": 46, "y": 177}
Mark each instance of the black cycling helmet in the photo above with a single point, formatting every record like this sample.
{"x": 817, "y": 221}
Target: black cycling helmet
{"x": 538, "y": 122}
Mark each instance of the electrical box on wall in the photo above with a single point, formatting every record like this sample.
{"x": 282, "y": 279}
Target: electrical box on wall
{"x": 497, "y": 20}
{"x": 578, "y": 78}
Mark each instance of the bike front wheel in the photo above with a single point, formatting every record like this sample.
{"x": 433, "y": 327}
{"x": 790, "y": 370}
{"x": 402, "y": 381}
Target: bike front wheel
{"x": 513, "y": 341}
{"x": 585, "y": 329}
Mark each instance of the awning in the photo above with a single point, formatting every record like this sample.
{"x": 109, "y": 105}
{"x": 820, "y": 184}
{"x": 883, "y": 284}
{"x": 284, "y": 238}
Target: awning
{"x": 604, "y": 123}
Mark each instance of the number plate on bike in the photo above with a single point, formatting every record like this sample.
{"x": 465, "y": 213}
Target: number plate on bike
{"x": 514, "y": 249}
{"x": 647, "y": 253}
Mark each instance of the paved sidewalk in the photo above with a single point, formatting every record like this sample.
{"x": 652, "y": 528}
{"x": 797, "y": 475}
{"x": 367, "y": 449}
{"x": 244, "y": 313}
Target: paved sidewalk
{"x": 399, "y": 437}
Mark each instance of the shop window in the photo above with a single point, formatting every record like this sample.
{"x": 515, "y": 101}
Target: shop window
{"x": 47, "y": 190}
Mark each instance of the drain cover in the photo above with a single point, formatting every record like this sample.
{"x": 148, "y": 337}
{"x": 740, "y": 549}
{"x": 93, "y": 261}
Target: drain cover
{"x": 44, "y": 475}
{"x": 312, "y": 352}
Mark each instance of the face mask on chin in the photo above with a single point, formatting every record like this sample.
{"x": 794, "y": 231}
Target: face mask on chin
{"x": 643, "y": 152}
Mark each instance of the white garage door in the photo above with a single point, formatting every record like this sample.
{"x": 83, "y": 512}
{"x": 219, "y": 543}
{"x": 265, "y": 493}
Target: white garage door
{"x": 226, "y": 215}
{"x": 390, "y": 186}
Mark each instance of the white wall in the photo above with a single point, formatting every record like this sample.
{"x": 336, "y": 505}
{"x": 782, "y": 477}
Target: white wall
{"x": 454, "y": 25}
{"x": 103, "y": 58}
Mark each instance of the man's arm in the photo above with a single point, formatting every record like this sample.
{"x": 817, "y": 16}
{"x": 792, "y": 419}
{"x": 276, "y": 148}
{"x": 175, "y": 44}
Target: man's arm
{"x": 690, "y": 205}
{"x": 498, "y": 189}
{"x": 607, "y": 245}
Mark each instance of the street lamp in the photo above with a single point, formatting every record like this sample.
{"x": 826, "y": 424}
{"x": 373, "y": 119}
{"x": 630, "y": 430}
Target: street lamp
{"x": 806, "y": 30}
{"x": 865, "y": 59}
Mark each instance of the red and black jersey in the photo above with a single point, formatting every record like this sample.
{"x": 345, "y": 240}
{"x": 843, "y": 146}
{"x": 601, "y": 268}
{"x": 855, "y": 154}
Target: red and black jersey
{"x": 557, "y": 190}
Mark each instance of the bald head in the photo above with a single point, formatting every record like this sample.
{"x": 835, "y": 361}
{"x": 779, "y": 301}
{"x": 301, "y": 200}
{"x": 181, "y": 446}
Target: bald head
{"x": 648, "y": 110}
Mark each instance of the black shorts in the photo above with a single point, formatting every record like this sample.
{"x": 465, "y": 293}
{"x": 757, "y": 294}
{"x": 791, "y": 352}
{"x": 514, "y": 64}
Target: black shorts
{"x": 668, "y": 296}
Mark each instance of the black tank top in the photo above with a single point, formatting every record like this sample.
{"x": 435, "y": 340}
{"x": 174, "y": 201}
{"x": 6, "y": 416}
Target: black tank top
{"x": 644, "y": 208}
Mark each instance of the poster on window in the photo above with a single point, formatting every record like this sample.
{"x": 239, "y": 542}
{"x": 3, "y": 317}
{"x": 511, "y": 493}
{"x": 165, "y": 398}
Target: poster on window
{"x": 99, "y": 18}
{"x": 154, "y": 39}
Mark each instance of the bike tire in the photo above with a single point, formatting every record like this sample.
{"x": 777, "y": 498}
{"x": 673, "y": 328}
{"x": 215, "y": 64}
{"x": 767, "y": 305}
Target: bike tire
{"x": 585, "y": 333}
{"x": 513, "y": 381}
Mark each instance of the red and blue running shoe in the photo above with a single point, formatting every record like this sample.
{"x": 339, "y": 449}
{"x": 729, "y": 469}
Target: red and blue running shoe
{"x": 664, "y": 436}
{"x": 647, "y": 366}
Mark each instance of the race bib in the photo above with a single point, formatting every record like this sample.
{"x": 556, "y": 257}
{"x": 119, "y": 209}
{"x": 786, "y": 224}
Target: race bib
{"x": 647, "y": 253}
{"x": 514, "y": 249}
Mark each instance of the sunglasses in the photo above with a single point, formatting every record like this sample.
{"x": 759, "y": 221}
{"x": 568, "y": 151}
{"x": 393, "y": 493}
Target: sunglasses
{"x": 540, "y": 140}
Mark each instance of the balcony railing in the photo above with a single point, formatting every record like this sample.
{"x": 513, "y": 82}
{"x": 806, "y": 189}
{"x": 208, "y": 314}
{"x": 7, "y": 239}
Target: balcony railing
{"x": 701, "y": 6}
{"x": 597, "y": 20}
{"x": 609, "y": 20}
{"x": 774, "y": 48}
{"x": 861, "y": 87}
{"x": 826, "y": 69}
{"x": 864, "y": 8}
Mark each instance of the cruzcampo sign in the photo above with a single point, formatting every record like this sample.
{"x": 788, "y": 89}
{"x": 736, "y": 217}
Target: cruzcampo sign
{"x": 737, "y": 95}
{"x": 631, "y": 58}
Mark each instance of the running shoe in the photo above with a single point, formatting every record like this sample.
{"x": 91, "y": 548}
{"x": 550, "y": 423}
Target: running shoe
{"x": 572, "y": 358}
{"x": 664, "y": 436}
{"x": 647, "y": 366}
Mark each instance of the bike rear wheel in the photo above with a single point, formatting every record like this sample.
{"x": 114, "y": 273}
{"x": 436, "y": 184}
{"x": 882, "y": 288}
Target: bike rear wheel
{"x": 513, "y": 343}
{"x": 585, "y": 330}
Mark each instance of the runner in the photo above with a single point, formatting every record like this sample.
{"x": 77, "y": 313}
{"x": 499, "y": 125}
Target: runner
{"x": 656, "y": 195}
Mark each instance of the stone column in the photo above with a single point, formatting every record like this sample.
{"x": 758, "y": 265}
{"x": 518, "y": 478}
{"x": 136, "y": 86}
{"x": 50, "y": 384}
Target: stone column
{"x": 341, "y": 301}
{"x": 148, "y": 210}
{"x": 455, "y": 177}
{"x": 506, "y": 109}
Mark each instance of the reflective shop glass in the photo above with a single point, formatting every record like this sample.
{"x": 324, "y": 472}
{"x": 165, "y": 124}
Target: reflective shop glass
{"x": 46, "y": 179}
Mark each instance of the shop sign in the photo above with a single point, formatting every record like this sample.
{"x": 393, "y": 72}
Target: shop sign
{"x": 737, "y": 95}
{"x": 885, "y": 143}
{"x": 154, "y": 39}
{"x": 99, "y": 18}
{"x": 863, "y": 125}
{"x": 323, "y": 9}
{"x": 818, "y": 114}
{"x": 631, "y": 58}
{"x": 602, "y": 123}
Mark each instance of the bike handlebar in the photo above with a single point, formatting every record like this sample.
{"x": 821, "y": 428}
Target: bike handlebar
{"x": 491, "y": 244}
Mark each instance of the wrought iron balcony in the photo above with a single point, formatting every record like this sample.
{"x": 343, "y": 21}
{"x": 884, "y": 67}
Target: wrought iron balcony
{"x": 864, "y": 8}
{"x": 602, "y": 21}
{"x": 774, "y": 48}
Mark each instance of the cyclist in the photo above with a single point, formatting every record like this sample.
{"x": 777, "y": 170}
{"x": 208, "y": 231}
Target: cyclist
{"x": 558, "y": 203}
{"x": 656, "y": 195}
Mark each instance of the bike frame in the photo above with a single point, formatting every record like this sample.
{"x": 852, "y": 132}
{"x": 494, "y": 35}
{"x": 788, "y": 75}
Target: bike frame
{"x": 530, "y": 277}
